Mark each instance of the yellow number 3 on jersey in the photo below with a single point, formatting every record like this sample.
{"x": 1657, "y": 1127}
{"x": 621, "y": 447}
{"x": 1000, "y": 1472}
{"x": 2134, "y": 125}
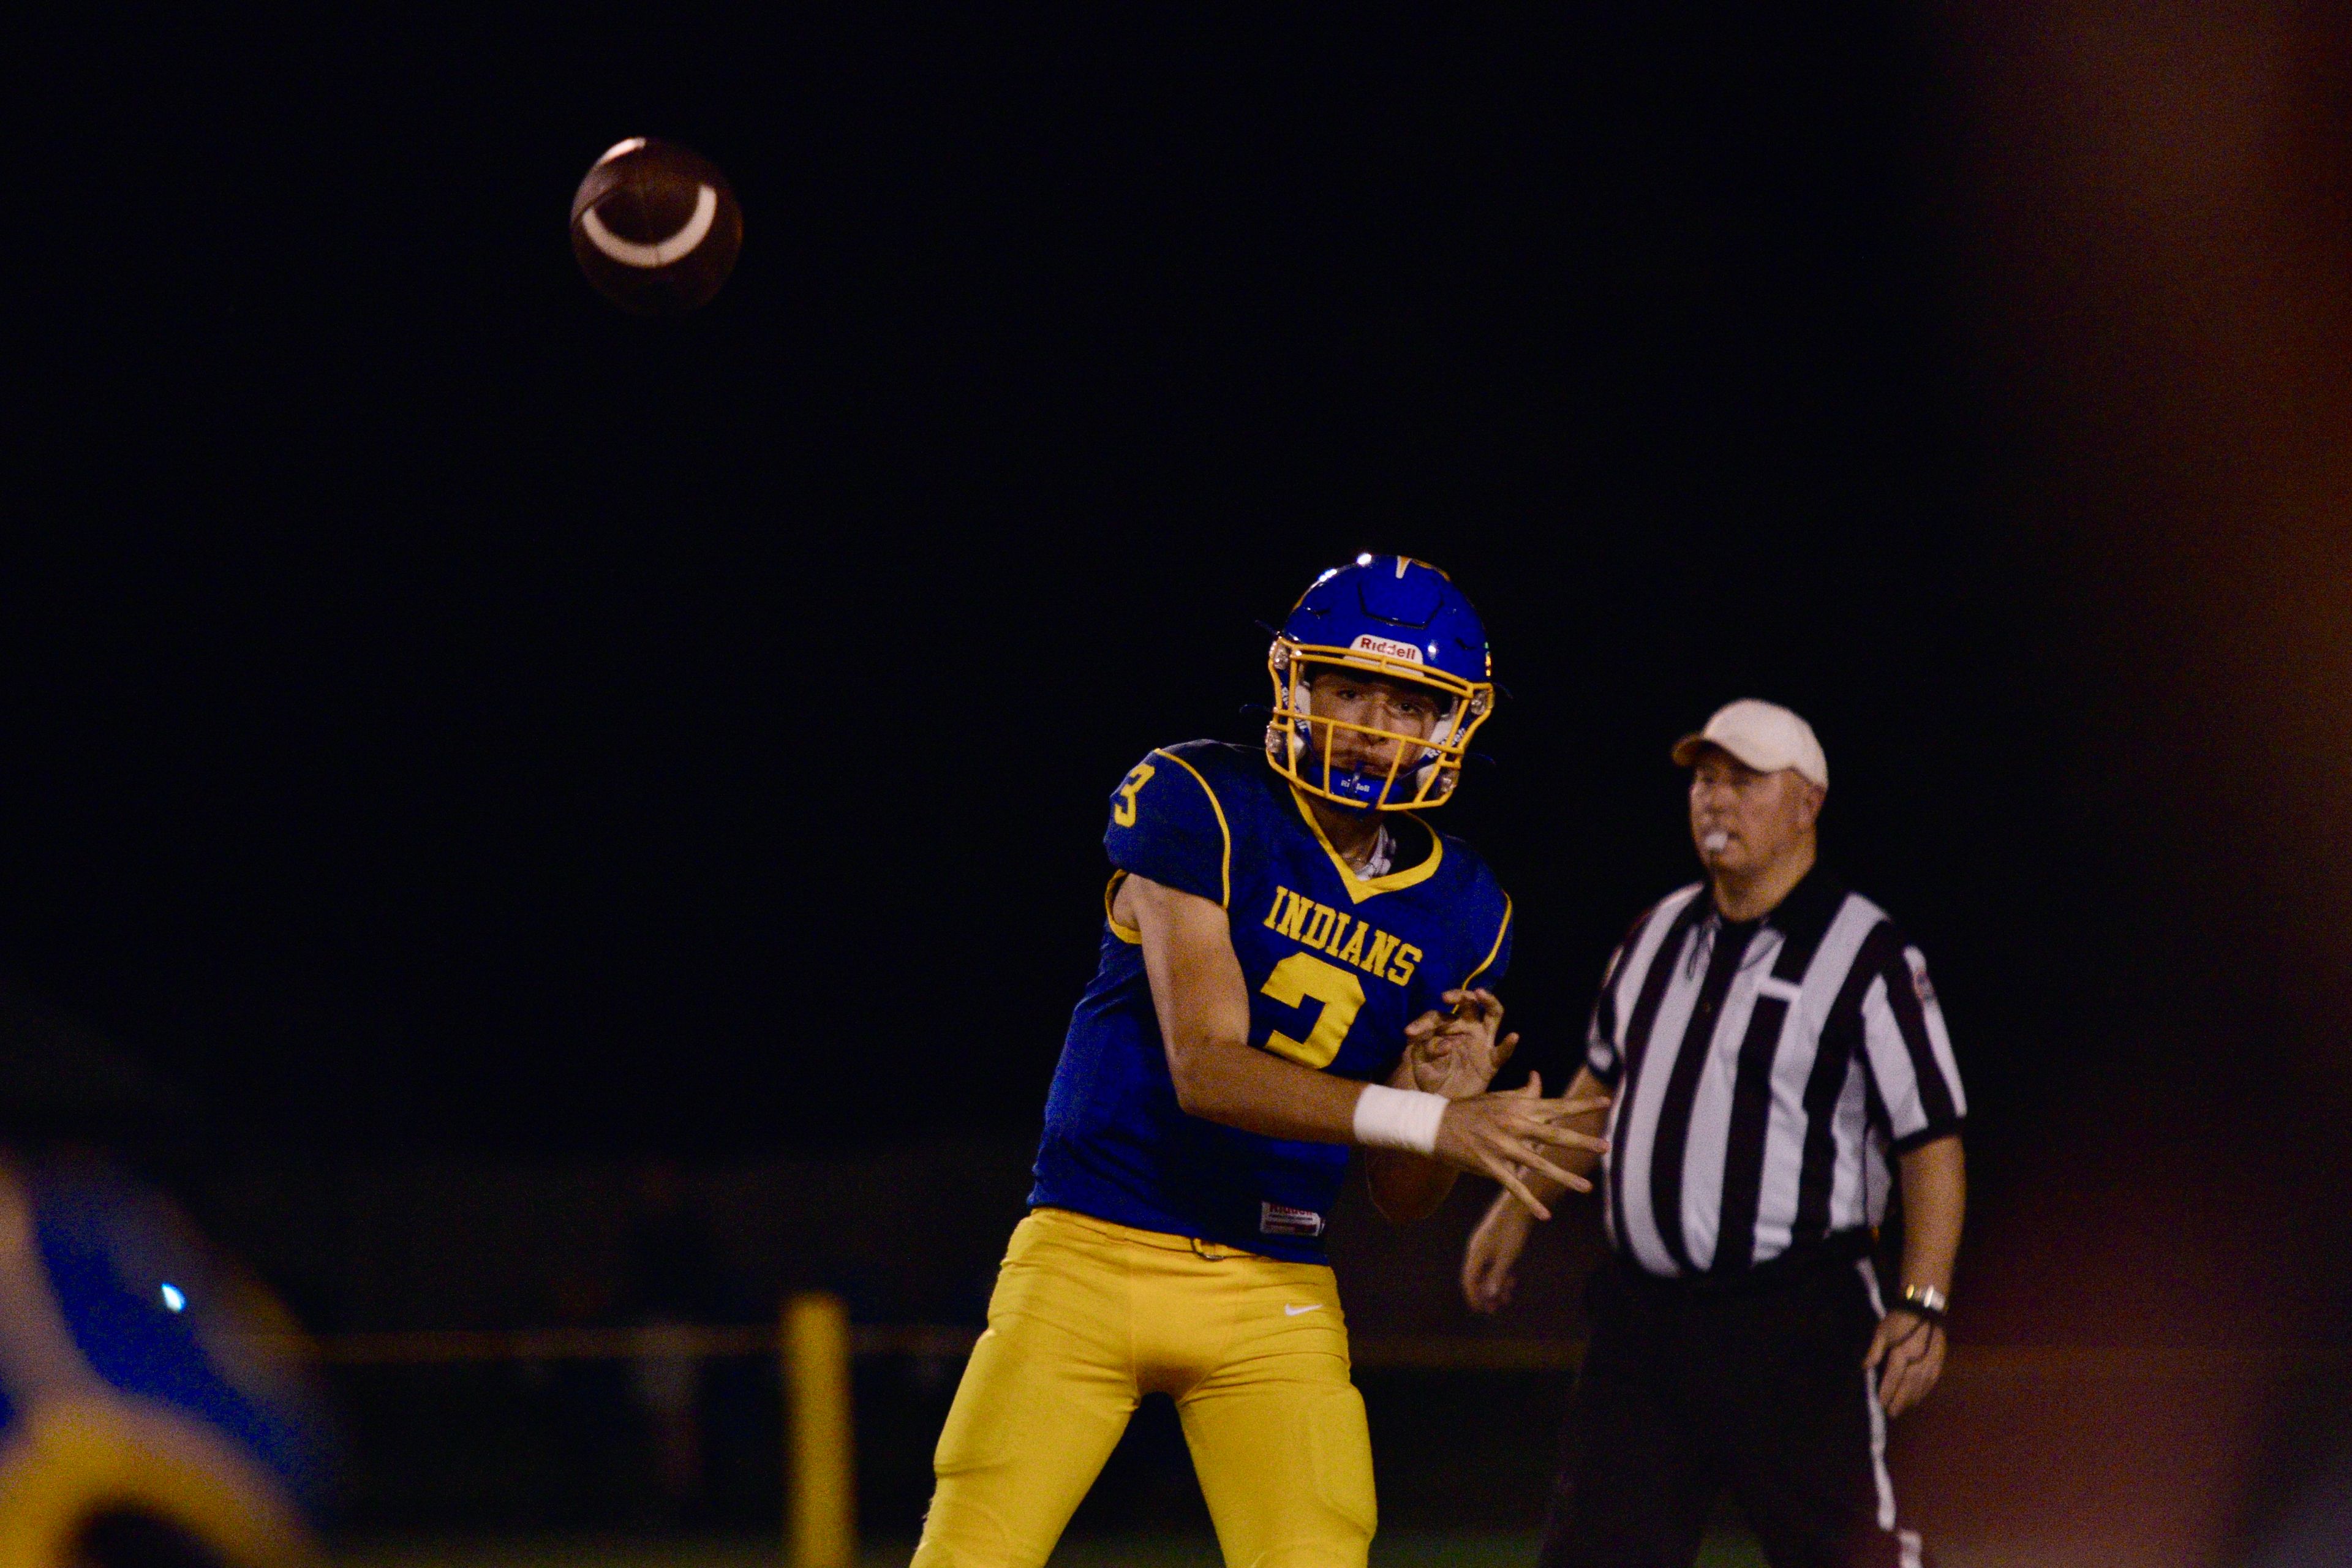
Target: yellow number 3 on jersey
{"x": 1298, "y": 977}
{"x": 1124, "y": 812}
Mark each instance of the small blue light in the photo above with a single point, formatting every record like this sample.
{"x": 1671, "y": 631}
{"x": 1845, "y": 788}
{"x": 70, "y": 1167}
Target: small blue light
{"x": 173, "y": 1300}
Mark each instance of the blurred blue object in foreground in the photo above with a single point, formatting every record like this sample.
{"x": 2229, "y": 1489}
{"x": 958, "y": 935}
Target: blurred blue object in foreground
{"x": 145, "y": 1419}
{"x": 151, "y": 1415}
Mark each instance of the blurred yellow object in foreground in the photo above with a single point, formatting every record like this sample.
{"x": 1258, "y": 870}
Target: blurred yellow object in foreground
{"x": 73, "y": 1462}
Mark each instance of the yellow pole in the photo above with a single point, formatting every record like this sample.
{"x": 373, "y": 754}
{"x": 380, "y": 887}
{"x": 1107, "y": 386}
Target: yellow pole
{"x": 820, "y": 1487}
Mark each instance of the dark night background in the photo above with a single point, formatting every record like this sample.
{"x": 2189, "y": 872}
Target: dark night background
{"x": 446, "y": 711}
{"x": 442, "y": 714}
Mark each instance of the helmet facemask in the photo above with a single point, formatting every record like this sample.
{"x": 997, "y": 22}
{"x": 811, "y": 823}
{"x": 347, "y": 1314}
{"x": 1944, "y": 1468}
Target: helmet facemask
{"x": 1422, "y": 769}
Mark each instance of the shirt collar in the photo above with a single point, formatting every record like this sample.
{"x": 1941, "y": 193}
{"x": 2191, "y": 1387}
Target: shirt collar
{"x": 1816, "y": 895}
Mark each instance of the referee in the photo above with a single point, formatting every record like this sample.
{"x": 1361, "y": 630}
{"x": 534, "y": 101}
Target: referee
{"x": 1773, "y": 1044}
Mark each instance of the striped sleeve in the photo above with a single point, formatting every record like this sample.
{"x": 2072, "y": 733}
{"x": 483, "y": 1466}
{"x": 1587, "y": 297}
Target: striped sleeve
{"x": 1601, "y": 1058}
{"x": 1604, "y": 1055}
{"x": 1909, "y": 1052}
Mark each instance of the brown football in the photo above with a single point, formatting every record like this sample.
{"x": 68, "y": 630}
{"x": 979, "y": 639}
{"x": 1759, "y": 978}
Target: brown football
{"x": 655, "y": 227}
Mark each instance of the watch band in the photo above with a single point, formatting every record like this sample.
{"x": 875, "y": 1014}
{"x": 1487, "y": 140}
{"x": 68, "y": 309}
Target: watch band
{"x": 1924, "y": 1300}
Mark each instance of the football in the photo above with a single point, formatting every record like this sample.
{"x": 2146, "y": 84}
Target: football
{"x": 655, "y": 227}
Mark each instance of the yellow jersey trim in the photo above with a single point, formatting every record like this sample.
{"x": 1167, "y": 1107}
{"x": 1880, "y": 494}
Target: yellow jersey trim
{"x": 1488, "y": 961}
{"x": 1131, "y": 935}
{"x": 1362, "y": 888}
{"x": 1225, "y": 871}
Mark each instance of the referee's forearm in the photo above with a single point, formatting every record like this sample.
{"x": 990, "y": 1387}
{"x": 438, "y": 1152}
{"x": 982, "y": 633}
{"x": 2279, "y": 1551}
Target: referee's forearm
{"x": 1935, "y": 1200}
{"x": 1575, "y": 1161}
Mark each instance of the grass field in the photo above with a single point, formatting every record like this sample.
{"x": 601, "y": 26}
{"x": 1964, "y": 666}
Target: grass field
{"x": 1403, "y": 1549}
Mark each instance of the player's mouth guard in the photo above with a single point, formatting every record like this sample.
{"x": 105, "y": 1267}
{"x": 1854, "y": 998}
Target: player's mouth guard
{"x": 1435, "y": 760}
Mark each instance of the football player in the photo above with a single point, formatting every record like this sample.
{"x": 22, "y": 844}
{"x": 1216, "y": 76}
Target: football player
{"x": 1292, "y": 963}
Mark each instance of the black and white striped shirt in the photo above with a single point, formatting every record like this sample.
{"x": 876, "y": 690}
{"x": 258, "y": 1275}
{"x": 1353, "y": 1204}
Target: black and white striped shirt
{"x": 1764, "y": 1072}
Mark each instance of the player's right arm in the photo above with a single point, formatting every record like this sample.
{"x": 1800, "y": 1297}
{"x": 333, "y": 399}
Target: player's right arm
{"x": 1202, "y": 1004}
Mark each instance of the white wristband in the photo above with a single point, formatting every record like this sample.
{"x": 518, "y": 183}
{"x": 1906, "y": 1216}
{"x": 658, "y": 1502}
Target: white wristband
{"x": 1399, "y": 1119}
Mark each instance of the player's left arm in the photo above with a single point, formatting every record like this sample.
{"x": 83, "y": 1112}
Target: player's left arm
{"x": 1454, "y": 1053}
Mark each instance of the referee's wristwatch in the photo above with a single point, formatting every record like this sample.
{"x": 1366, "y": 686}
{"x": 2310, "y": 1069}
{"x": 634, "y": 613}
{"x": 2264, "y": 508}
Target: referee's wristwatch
{"x": 1925, "y": 1301}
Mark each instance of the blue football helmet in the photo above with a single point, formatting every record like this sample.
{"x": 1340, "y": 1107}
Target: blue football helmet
{"x": 1399, "y": 619}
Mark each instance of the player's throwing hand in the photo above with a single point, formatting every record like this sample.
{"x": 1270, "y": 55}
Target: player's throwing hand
{"x": 1505, "y": 1136}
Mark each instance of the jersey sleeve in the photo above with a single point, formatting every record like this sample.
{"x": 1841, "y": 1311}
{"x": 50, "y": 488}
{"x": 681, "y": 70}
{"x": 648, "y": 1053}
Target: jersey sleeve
{"x": 1909, "y": 1053}
{"x": 1603, "y": 1057}
{"x": 1496, "y": 961}
{"x": 1167, "y": 825}
{"x": 1604, "y": 1053}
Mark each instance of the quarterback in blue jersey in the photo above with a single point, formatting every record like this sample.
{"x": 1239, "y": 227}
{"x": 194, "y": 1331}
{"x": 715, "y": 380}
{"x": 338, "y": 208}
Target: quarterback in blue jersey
{"x": 1292, "y": 963}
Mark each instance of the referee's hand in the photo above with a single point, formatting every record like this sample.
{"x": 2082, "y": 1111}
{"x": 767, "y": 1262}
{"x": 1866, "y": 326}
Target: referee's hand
{"x": 1490, "y": 1263}
{"x": 1908, "y": 1352}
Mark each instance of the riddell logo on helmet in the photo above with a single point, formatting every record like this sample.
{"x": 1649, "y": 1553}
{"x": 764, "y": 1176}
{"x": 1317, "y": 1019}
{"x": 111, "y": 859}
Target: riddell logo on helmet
{"x": 1368, "y": 643}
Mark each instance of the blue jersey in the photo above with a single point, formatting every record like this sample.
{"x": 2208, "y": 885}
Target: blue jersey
{"x": 1335, "y": 964}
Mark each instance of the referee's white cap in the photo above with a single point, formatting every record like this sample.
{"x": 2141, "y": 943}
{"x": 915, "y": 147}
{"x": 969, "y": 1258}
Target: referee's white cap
{"x": 1764, "y": 735}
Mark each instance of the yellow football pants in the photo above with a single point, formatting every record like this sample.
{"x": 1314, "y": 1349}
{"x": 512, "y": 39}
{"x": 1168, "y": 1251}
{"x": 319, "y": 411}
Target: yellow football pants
{"x": 1088, "y": 1317}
